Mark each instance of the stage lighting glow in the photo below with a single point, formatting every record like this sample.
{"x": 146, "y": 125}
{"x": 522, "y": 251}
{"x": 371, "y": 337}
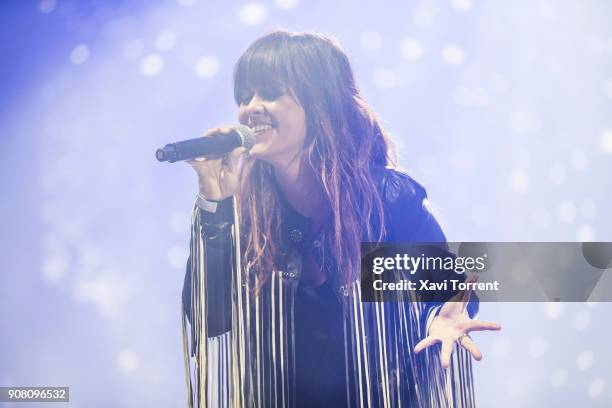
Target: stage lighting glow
{"x": 553, "y": 310}
{"x": 54, "y": 267}
{"x": 151, "y": 65}
{"x": 128, "y": 361}
{"x": 47, "y": 6}
{"x": 79, "y": 54}
{"x": 584, "y": 360}
{"x": 585, "y": 233}
{"x": 453, "y": 55}
{"x": 207, "y": 67}
{"x": 519, "y": 181}
{"x": 596, "y": 388}
{"x": 104, "y": 227}
{"x": 582, "y": 320}
{"x": 105, "y": 291}
{"x": 605, "y": 141}
{"x": 411, "y": 49}
{"x": 252, "y": 13}
{"x": 462, "y": 5}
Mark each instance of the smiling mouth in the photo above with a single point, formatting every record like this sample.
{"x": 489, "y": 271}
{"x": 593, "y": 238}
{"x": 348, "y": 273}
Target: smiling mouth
{"x": 259, "y": 129}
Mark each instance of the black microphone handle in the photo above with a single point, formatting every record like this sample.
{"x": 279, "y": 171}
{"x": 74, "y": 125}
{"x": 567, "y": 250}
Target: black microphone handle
{"x": 200, "y": 146}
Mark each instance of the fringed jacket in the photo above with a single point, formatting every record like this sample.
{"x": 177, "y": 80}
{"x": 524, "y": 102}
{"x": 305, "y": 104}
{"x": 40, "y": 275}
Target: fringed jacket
{"x": 241, "y": 349}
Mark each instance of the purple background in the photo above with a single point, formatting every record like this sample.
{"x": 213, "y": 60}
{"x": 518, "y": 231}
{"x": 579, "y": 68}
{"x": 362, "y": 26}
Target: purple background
{"x": 501, "y": 109}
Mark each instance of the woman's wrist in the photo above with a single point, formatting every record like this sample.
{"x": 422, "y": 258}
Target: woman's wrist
{"x": 205, "y": 203}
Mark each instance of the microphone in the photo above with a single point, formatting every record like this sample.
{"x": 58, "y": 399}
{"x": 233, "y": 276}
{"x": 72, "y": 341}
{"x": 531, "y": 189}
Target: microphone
{"x": 216, "y": 143}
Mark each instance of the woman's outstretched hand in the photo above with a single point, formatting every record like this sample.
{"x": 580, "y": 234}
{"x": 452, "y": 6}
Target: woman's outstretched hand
{"x": 453, "y": 324}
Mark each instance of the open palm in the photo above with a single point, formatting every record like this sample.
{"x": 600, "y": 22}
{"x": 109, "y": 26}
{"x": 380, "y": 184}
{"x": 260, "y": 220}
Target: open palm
{"x": 453, "y": 324}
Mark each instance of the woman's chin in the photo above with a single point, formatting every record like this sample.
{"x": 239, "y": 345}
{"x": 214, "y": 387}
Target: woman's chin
{"x": 264, "y": 153}
{"x": 259, "y": 151}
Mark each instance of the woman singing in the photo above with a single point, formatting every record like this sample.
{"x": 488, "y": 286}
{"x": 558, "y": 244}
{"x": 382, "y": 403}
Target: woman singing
{"x": 272, "y": 292}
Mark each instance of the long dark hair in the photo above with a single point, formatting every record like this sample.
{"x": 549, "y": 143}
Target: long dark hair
{"x": 344, "y": 143}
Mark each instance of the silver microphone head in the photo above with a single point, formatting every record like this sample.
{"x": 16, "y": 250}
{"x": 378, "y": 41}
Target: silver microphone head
{"x": 247, "y": 136}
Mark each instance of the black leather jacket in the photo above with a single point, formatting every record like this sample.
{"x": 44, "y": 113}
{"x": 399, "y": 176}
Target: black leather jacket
{"x": 407, "y": 219}
{"x": 320, "y": 342}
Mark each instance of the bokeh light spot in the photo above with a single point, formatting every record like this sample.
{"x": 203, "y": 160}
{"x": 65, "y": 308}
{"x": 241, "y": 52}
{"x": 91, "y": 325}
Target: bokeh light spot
{"x": 47, "y": 6}
{"x": 252, "y": 13}
{"x": 584, "y": 360}
{"x": 463, "y": 5}
{"x": 152, "y": 65}
{"x": 411, "y": 49}
{"x": 596, "y": 388}
{"x": 128, "y": 361}
{"x": 453, "y": 55}
{"x": 605, "y": 141}
{"x": 207, "y": 67}
{"x": 79, "y": 54}
{"x": 286, "y": 4}
{"x": 165, "y": 40}
{"x": 519, "y": 181}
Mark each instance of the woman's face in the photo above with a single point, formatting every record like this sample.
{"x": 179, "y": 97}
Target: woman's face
{"x": 279, "y": 124}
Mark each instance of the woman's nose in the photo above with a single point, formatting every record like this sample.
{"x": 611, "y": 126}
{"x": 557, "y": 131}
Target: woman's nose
{"x": 255, "y": 103}
{"x": 253, "y": 108}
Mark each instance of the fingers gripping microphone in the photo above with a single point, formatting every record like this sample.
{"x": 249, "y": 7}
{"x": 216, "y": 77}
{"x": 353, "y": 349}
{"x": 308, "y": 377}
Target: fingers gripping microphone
{"x": 203, "y": 146}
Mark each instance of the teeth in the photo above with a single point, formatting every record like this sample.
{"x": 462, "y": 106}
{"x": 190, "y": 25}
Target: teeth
{"x": 261, "y": 128}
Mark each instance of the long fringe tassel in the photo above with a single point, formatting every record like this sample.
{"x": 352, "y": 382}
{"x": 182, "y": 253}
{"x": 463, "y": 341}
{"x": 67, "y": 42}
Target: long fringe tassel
{"x": 196, "y": 344}
{"x": 254, "y": 364}
{"x": 387, "y": 373}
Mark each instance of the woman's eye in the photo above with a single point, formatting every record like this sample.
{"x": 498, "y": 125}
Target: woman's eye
{"x": 245, "y": 98}
{"x": 270, "y": 94}
{"x": 264, "y": 94}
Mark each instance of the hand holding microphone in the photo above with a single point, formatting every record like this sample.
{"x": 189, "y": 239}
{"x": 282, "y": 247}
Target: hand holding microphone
{"x": 215, "y": 158}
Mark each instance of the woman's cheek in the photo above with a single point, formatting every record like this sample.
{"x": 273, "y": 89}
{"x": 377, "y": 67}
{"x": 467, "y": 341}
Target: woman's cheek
{"x": 262, "y": 148}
